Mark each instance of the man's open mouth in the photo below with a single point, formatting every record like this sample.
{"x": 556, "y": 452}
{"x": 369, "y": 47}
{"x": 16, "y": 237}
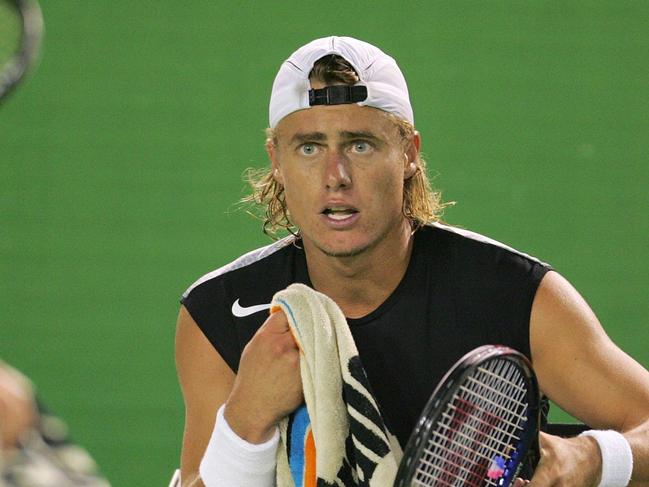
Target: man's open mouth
{"x": 339, "y": 212}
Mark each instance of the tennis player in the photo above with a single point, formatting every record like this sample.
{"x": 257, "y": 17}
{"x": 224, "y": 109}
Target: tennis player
{"x": 347, "y": 178}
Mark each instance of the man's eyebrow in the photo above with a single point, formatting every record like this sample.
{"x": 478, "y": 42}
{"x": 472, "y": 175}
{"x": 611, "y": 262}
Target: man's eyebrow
{"x": 301, "y": 138}
{"x": 348, "y": 135}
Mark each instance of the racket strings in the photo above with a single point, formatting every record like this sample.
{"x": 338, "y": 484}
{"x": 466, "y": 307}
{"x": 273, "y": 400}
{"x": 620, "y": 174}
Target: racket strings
{"x": 478, "y": 431}
{"x": 458, "y": 462}
{"x": 463, "y": 462}
{"x": 489, "y": 448}
{"x": 482, "y": 431}
{"x": 487, "y": 424}
{"x": 500, "y": 407}
{"x": 513, "y": 409}
{"x": 467, "y": 451}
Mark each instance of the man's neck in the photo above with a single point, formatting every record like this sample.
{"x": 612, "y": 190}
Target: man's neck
{"x": 359, "y": 284}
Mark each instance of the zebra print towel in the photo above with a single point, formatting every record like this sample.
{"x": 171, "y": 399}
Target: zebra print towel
{"x": 338, "y": 437}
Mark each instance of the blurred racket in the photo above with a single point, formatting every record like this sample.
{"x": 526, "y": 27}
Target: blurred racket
{"x": 479, "y": 425}
{"x": 21, "y": 29}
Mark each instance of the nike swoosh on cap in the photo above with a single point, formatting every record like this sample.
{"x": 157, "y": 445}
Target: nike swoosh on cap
{"x": 241, "y": 311}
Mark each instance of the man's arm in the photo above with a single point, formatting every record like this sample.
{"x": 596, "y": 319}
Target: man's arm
{"x": 266, "y": 388}
{"x": 587, "y": 375}
{"x": 206, "y": 382}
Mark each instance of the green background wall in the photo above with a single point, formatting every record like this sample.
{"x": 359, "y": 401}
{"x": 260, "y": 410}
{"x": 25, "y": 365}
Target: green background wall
{"x": 121, "y": 160}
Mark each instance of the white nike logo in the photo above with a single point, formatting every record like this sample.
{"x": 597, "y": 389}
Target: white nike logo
{"x": 239, "y": 311}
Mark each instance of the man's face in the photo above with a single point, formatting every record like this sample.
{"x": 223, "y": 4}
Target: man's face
{"x": 343, "y": 169}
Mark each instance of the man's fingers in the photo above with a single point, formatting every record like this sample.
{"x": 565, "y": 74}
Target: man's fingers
{"x": 277, "y": 329}
{"x": 544, "y": 438}
{"x": 277, "y": 322}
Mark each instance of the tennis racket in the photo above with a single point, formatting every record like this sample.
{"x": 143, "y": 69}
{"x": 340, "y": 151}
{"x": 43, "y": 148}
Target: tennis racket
{"x": 21, "y": 30}
{"x": 479, "y": 425}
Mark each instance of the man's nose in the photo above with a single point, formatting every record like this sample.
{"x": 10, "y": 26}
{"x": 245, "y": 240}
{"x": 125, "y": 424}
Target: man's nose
{"x": 337, "y": 171}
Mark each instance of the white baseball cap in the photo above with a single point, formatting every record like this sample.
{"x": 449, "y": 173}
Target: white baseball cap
{"x": 381, "y": 84}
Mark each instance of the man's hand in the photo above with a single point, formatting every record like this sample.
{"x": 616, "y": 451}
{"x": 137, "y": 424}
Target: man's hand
{"x": 268, "y": 385}
{"x": 571, "y": 462}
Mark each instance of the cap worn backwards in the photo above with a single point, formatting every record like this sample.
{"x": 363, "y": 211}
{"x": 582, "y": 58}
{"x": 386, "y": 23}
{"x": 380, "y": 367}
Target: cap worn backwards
{"x": 381, "y": 84}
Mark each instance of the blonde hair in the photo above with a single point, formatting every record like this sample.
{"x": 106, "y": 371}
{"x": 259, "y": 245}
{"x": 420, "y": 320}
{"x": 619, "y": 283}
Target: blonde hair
{"x": 421, "y": 204}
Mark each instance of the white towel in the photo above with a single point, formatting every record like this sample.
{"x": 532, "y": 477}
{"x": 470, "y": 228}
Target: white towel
{"x": 352, "y": 444}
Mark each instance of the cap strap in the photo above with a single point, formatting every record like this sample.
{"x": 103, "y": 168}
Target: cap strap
{"x": 337, "y": 95}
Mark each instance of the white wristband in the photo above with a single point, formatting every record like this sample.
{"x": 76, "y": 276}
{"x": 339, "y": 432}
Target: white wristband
{"x": 229, "y": 460}
{"x": 617, "y": 457}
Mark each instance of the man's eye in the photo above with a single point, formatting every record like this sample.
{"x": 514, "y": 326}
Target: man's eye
{"x": 308, "y": 149}
{"x": 361, "y": 146}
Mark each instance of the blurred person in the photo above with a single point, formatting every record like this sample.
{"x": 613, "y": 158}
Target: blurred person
{"x": 36, "y": 448}
{"x": 347, "y": 180}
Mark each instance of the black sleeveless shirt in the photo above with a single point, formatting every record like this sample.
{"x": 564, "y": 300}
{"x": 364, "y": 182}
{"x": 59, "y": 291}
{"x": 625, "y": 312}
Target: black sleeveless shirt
{"x": 460, "y": 290}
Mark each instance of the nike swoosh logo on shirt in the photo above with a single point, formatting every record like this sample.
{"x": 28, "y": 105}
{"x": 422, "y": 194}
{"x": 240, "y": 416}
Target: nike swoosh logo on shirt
{"x": 241, "y": 311}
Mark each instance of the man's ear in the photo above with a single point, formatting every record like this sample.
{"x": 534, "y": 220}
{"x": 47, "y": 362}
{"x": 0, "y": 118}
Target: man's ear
{"x": 411, "y": 155}
{"x": 271, "y": 150}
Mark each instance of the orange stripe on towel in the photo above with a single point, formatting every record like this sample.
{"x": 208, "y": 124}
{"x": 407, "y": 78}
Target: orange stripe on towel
{"x": 309, "y": 461}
